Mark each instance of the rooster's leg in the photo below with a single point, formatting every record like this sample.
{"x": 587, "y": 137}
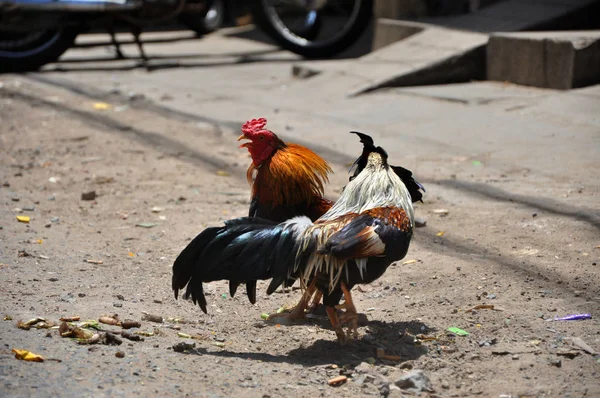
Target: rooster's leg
{"x": 335, "y": 323}
{"x": 350, "y": 315}
{"x": 297, "y": 312}
{"x": 315, "y": 301}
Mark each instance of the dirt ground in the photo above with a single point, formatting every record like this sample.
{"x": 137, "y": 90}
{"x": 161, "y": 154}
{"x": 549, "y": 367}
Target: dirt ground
{"x": 159, "y": 180}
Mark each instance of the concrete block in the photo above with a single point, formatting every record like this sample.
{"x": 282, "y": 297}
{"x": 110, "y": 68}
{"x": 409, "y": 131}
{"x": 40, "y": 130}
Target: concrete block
{"x": 396, "y": 9}
{"x": 388, "y": 31}
{"x": 558, "y": 60}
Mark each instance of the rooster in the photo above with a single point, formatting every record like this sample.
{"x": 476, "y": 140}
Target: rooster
{"x": 354, "y": 242}
{"x": 287, "y": 180}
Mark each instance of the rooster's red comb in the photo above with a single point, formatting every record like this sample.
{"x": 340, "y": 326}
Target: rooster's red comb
{"x": 253, "y": 125}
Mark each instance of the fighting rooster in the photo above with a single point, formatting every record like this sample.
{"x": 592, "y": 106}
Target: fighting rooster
{"x": 354, "y": 242}
{"x": 287, "y": 180}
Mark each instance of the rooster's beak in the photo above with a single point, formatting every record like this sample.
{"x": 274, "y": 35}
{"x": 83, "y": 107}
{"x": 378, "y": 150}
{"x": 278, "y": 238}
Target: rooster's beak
{"x": 245, "y": 144}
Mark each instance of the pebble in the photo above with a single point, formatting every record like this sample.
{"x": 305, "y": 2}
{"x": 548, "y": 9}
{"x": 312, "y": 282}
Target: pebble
{"x": 420, "y": 222}
{"x": 414, "y": 381}
{"x": 51, "y": 198}
{"x": 556, "y": 362}
{"x": 118, "y": 305}
{"x": 445, "y": 384}
{"x": 515, "y": 357}
{"x": 68, "y": 298}
{"x": 91, "y": 195}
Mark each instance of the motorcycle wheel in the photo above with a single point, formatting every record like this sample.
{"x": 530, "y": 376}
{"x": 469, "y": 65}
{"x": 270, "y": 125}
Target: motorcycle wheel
{"x": 313, "y": 28}
{"x": 208, "y": 22}
{"x": 27, "y": 51}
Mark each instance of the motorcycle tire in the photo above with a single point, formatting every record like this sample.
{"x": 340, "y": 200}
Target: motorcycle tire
{"x": 29, "y": 53}
{"x": 208, "y": 22}
{"x": 307, "y": 46}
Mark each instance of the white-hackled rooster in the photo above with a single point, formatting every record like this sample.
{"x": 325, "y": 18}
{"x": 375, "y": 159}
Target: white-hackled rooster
{"x": 366, "y": 230}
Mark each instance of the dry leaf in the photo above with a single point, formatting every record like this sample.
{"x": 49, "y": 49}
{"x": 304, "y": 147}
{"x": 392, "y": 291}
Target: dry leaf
{"x": 337, "y": 380}
{"x": 27, "y": 355}
{"x": 409, "y": 262}
{"x": 24, "y": 219}
{"x": 101, "y": 106}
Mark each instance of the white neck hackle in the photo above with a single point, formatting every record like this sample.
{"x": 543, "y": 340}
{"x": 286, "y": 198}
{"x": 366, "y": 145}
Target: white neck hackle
{"x": 376, "y": 186}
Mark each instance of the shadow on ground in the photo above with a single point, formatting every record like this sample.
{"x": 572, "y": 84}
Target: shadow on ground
{"x": 111, "y": 62}
{"x": 394, "y": 337}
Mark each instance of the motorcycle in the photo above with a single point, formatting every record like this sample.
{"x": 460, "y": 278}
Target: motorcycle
{"x": 36, "y": 32}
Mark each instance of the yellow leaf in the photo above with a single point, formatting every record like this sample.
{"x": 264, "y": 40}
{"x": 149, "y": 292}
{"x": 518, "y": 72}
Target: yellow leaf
{"x": 40, "y": 241}
{"x": 27, "y": 355}
{"x": 441, "y": 233}
{"x": 24, "y": 219}
{"x": 223, "y": 173}
{"x": 130, "y": 254}
{"x": 102, "y": 106}
{"x": 409, "y": 262}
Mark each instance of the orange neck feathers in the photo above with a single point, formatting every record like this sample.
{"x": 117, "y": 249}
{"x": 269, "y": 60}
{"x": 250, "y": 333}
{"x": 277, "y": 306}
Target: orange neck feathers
{"x": 293, "y": 175}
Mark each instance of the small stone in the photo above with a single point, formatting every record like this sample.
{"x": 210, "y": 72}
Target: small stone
{"x": 55, "y": 220}
{"x": 445, "y": 384}
{"x": 51, "y": 198}
{"x": 118, "y": 305}
{"x": 68, "y": 298}
{"x": 133, "y": 96}
{"x": 407, "y": 365}
{"x": 420, "y": 222}
{"x": 414, "y": 381}
{"x": 556, "y": 362}
{"x": 53, "y": 279}
{"x": 91, "y": 195}
{"x": 515, "y": 357}
{"x": 120, "y": 354}
{"x": 157, "y": 301}
{"x": 363, "y": 367}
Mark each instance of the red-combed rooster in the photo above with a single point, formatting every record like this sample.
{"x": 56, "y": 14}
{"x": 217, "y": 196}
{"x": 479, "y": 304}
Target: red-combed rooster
{"x": 354, "y": 242}
{"x": 287, "y": 180}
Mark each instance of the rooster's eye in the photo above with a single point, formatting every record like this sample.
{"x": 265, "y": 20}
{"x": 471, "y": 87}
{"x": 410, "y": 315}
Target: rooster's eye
{"x": 261, "y": 138}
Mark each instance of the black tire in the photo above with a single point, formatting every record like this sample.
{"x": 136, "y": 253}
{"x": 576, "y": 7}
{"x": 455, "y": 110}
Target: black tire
{"x": 307, "y": 45}
{"x": 206, "y": 22}
{"x": 21, "y": 52}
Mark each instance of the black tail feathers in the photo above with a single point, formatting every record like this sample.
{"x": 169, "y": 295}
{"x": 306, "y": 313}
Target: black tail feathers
{"x": 242, "y": 251}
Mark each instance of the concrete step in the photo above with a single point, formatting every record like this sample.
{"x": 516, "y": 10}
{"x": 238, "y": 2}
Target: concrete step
{"x": 452, "y": 51}
{"x": 559, "y": 60}
{"x": 430, "y": 56}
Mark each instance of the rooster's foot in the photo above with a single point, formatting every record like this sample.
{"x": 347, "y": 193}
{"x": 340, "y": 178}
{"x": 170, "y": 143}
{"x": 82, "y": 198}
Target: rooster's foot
{"x": 350, "y": 316}
{"x": 289, "y": 315}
